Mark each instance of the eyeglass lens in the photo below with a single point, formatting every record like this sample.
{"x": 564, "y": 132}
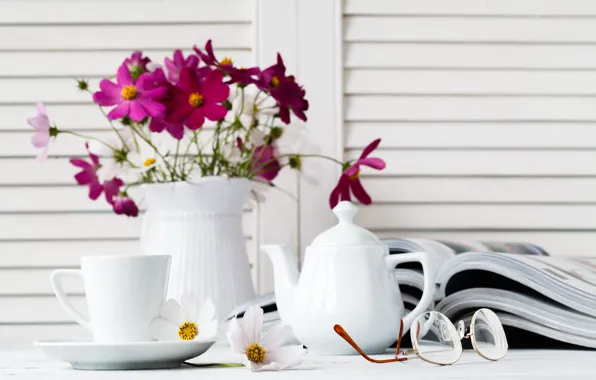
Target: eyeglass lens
{"x": 435, "y": 338}
{"x": 488, "y": 336}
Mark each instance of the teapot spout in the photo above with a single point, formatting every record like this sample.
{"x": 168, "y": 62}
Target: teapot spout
{"x": 285, "y": 275}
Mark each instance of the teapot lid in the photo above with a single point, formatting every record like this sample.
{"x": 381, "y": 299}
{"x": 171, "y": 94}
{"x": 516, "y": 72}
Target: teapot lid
{"x": 345, "y": 233}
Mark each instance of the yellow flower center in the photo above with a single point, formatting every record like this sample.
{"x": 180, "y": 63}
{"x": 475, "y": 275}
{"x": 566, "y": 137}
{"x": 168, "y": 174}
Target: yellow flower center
{"x": 129, "y": 92}
{"x": 195, "y": 99}
{"x": 354, "y": 176}
{"x": 188, "y": 331}
{"x": 255, "y": 353}
{"x": 274, "y": 81}
{"x": 226, "y": 61}
{"x": 150, "y": 161}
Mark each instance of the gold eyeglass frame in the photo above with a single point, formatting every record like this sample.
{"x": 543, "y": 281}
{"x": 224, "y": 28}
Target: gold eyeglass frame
{"x": 463, "y": 333}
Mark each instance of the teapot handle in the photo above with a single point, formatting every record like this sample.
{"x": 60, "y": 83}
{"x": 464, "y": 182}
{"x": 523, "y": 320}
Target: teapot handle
{"x": 428, "y": 294}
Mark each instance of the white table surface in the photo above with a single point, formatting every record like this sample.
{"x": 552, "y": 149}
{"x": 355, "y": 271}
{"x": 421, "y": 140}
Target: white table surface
{"x": 28, "y": 363}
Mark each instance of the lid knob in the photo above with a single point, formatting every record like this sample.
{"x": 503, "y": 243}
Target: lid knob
{"x": 345, "y": 212}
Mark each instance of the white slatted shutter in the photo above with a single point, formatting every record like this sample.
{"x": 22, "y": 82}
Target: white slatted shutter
{"x": 487, "y": 110}
{"x": 46, "y": 221}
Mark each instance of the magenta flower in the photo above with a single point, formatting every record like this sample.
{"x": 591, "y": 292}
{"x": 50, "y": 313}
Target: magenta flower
{"x": 43, "y": 131}
{"x": 350, "y": 178}
{"x": 132, "y": 99}
{"x": 111, "y": 189}
{"x": 226, "y": 65}
{"x": 284, "y": 89}
{"x": 136, "y": 64}
{"x": 264, "y": 163}
{"x": 174, "y": 66}
{"x": 88, "y": 174}
{"x": 123, "y": 205}
{"x": 158, "y": 124}
{"x": 194, "y": 99}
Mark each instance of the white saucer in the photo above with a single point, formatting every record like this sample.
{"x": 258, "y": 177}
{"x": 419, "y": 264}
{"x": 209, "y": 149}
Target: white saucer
{"x": 121, "y": 356}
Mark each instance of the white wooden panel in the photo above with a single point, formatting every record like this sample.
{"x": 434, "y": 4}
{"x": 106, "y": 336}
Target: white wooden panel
{"x": 393, "y": 55}
{"x": 457, "y": 82}
{"x": 60, "y": 254}
{"x": 66, "y": 116}
{"x": 479, "y": 135}
{"x": 24, "y": 334}
{"x": 517, "y": 163}
{"x": 63, "y": 226}
{"x": 124, "y": 36}
{"x": 478, "y": 216}
{"x": 454, "y": 29}
{"x": 75, "y": 225}
{"x": 15, "y": 12}
{"x": 37, "y": 309}
{"x": 468, "y": 108}
{"x": 87, "y": 63}
{"x": 535, "y": 8}
{"x": 479, "y": 190}
{"x": 559, "y": 243}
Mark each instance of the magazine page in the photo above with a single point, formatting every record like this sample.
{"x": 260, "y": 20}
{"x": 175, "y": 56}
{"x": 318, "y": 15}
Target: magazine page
{"x": 562, "y": 280}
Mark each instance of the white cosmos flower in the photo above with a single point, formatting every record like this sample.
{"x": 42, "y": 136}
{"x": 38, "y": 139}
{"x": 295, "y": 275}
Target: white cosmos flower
{"x": 245, "y": 108}
{"x": 115, "y": 145}
{"x": 147, "y": 158}
{"x": 185, "y": 321}
{"x": 267, "y": 352}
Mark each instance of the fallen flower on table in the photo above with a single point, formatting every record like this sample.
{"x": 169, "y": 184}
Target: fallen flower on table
{"x": 263, "y": 352}
{"x": 185, "y": 321}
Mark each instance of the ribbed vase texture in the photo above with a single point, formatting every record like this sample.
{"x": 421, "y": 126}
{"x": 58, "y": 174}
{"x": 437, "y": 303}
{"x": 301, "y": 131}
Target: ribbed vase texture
{"x": 200, "y": 225}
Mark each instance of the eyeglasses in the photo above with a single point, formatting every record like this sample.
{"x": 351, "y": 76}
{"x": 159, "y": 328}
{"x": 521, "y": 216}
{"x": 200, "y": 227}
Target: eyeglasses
{"x": 436, "y": 340}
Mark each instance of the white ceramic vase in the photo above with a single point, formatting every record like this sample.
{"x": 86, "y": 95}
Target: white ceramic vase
{"x": 200, "y": 225}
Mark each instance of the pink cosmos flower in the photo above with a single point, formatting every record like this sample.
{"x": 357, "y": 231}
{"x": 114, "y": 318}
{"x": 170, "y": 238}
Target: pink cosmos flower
{"x": 123, "y": 205}
{"x": 284, "y": 89}
{"x": 237, "y": 75}
{"x": 136, "y": 64}
{"x": 175, "y": 65}
{"x": 158, "y": 124}
{"x": 350, "y": 178}
{"x": 88, "y": 174}
{"x": 41, "y": 138}
{"x": 194, "y": 99}
{"x": 133, "y": 99}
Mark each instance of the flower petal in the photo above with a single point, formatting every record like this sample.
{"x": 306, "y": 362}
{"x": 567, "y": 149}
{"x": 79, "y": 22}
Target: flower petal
{"x": 253, "y": 322}
{"x": 359, "y": 192}
{"x": 237, "y": 337}
{"x": 252, "y": 366}
{"x": 195, "y": 120}
{"x": 214, "y": 88}
{"x": 152, "y": 108}
{"x": 123, "y": 76}
{"x": 373, "y": 162}
{"x": 338, "y": 190}
{"x": 276, "y": 337}
{"x": 214, "y": 112}
{"x": 162, "y": 329}
{"x": 206, "y": 313}
{"x": 370, "y": 147}
{"x": 137, "y": 111}
{"x": 171, "y": 311}
{"x": 40, "y": 139}
{"x": 190, "y": 307}
{"x": 43, "y": 153}
{"x": 120, "y": 111}
{"x": 208, "y": 331}
{"x": 176, "y": 130}
{"x": 284, "y": 357}
{"x": 41, "y": 109}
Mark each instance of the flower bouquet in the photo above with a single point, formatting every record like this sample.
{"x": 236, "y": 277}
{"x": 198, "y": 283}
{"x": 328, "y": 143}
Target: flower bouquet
{"x": 197, "y": 122}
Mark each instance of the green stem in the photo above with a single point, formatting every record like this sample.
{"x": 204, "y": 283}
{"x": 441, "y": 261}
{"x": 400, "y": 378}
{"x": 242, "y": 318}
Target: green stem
{"x": 176, "y": 155}
{"x": 87, "y": 138}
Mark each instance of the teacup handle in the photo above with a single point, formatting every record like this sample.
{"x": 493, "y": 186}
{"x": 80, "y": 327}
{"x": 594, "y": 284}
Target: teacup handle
{"x": 55, "y": 279}
{"x": 428, "y": 294}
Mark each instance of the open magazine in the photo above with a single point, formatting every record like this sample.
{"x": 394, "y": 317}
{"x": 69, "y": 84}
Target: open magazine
{"x": 541, "y": 300}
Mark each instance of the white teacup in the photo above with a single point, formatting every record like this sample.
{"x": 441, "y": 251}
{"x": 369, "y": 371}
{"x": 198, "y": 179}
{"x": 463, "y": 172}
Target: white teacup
{"x": 124, "y": 295}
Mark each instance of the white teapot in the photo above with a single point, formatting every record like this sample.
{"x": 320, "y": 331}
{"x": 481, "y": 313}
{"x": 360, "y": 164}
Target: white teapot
{"x": 347, "y": 279}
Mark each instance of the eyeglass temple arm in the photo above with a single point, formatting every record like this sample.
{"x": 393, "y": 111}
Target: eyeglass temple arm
{"x": 341, "y": 332}
{"x": 405, "y": 353}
